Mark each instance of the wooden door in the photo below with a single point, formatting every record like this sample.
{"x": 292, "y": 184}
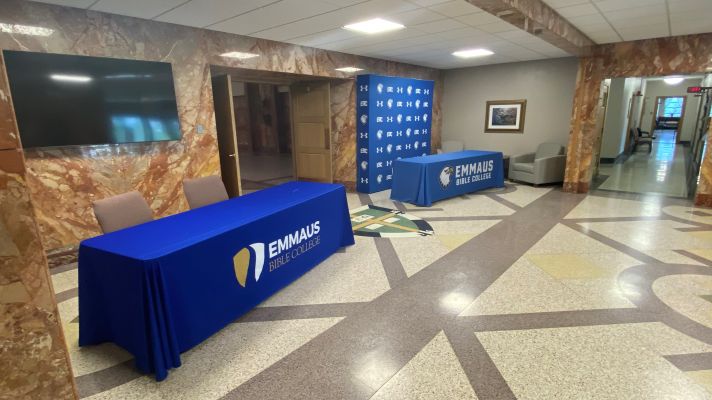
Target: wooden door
{"x": 227, "y": 135}
{"x": 311, "y": 118}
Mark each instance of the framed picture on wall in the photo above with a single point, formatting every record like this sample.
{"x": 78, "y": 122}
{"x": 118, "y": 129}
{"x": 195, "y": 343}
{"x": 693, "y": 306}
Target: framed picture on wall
{"x": 505, "y": 116}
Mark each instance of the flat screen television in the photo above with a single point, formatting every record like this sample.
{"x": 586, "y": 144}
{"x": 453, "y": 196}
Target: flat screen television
{"x": 63, "y": 100}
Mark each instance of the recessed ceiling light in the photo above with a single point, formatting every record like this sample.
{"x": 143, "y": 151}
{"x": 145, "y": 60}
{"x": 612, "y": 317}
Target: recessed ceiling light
{"x": 472, "y": 53}
{"x": 376, "y": 25}
{"x": 25, "y": 29}
{"x": 673, "y": 80}
{"x": 240, "y": 55}
{"x": 349, "y": 69}
{"x": 71, "y": 78}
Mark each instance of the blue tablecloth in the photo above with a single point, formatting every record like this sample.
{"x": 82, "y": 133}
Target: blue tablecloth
{"x": 424, "y": 180}
{"x": 160, "y": 288}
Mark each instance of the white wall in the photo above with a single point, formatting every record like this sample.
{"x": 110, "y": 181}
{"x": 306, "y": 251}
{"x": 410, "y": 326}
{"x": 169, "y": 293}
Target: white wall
{"x": 615, "y": 129}
{"x": 657, "y": 88}
{"x": 547, "y": 85}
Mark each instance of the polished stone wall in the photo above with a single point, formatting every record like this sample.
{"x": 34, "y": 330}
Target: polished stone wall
{"x": 654, "y": 57}
{"x": 64, "y": 182}
{"x": 33, "y": 355}
{"x": 704, "y": 187}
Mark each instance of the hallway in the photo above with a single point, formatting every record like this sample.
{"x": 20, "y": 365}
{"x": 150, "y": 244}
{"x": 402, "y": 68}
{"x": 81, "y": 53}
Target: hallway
{"x": 661, "y": 172}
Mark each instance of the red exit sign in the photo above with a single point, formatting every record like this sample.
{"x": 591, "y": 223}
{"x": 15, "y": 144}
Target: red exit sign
{"x": 698, "y": 89}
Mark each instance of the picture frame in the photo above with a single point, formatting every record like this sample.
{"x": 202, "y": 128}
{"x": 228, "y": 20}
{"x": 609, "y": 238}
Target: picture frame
{"x": 505, "y": 116}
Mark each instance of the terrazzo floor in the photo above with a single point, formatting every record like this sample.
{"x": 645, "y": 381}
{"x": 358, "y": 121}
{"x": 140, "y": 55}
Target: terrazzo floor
{"x": 522, "y": 292}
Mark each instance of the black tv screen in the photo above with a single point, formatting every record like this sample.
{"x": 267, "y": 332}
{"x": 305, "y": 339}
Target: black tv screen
{"x": 63, "y": 100}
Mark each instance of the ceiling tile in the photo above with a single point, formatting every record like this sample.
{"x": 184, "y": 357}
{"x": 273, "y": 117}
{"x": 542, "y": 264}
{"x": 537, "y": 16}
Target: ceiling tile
{"x": 613, "y": 5}
{"x": 496, "y": 27}
{"x": 643, "y": 32}
{"x": 336, "y": 19}
{"x": 476, "y": 19}
{"x": 455, "y": 8}
{"x": 587, "y": 20}
{"x": 440, "y": 26}
{"x": 428, "y": 3}
{"x": 642, "y": 13}
{"x": 434, "y": 28}
{"x": 577, "y": 10}
{"x": 320, "y": 38}
{"x": 202, "y": 13}
{"x": 690, "y": 27}
{"x": 147, "y": 9}
{"x": 276, "y": 14}
{"x": 342, "y": 3}
{"x": 564, "y": 3}
{"x": 415, "y": 17}
{"x": 69, "y": 3}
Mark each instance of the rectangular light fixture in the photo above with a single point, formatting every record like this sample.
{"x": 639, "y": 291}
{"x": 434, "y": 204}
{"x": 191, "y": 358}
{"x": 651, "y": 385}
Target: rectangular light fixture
{"x": 372, "y": 26}
{"x": 472, "y": 53}
{"x": 70, "y": 78}
{"x": 25, "y": 30}
{"x": 239, "y": 55}
{"x": 349, "y": 69}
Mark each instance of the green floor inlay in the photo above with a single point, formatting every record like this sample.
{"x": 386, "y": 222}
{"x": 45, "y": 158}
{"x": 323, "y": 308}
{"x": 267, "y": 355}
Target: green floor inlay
{"x": 377, "y": 221}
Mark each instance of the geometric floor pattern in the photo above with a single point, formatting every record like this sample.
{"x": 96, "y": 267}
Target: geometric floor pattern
{"x": 520, "y": 293}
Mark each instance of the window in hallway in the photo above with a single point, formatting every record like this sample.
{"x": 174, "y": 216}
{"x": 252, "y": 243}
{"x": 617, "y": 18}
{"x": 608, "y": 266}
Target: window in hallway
{"x": 672, "y": 107}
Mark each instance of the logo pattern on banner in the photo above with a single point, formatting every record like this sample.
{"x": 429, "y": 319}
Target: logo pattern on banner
{"x": 394, "y": 121}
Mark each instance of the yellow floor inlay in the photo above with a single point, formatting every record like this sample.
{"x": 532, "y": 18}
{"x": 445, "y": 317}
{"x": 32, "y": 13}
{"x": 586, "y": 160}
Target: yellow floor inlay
{"x": 454, "y": 241}
{"x": 704, "y": 253}
{"x": 568, "y": 266}
{"x": 706, "y": 235}
{"x": 702, "y": 378}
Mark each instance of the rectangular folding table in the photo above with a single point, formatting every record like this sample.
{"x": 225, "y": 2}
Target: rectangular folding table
{"x": 424, "y": 180}
{"x": 160, "y": 288}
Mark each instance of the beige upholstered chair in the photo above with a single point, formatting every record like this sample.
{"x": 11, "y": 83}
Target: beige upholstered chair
{"x": 203, "y": 191}
{"x": 451, "y": 146}
{"x": 122, "y": 211}
{"x": 547, "y": 165}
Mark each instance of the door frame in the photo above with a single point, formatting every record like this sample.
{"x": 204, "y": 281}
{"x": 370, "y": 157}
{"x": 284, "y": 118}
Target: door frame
{"x": 602, "y": 106}
{"x": 234, "y": 157}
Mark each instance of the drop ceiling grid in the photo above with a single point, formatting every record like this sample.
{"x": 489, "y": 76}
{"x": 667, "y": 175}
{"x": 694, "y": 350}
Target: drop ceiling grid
{"x": 607, "y": 21}
{"x": 434, "y": 28}
{"x": 418, "y": 38}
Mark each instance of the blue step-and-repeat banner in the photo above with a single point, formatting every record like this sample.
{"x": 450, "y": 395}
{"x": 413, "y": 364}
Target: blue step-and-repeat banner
{"x": 392, "y": 121}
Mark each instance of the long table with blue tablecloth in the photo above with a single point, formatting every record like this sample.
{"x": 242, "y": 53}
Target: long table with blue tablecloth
{"x": 424, "y": 180}
{"x": 160, "y": 288}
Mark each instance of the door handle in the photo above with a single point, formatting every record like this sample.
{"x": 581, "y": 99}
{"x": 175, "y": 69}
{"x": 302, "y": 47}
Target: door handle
{"x": 233, "y": 155}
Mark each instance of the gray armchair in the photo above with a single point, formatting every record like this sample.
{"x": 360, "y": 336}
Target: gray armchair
{"x": 547, "y": 165}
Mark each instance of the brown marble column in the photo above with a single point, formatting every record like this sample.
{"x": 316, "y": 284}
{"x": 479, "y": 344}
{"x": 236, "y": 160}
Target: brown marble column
{"x": 33, "y": 354}
{"x": 583, "y": 121}
{"x": 703, "y": 197}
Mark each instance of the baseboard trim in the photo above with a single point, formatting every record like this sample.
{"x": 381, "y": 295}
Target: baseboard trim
{"x": 617, "y": 160}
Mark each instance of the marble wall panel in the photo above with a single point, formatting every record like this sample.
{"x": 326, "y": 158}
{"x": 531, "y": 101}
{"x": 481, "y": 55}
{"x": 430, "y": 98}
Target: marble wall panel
{"x": 654, "y": 57}
{"x": 33, "y": 353}
{"x": 63, "y": 182}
